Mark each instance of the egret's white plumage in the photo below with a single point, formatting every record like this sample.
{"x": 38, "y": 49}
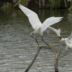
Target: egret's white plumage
{"x": 57, "y": 31}
{"x": 68, "y": 41}
{"x": 35, "y": 22}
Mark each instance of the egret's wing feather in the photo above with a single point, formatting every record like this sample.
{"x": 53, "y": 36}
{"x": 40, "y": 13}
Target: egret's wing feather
{"x": 50, "y": 21}
{"x": 32, "y": 16}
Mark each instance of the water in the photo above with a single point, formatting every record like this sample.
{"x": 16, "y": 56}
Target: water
{"x": 17, "y": 48}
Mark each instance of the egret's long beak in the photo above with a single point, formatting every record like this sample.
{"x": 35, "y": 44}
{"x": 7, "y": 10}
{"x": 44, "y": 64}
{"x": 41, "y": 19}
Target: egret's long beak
{"x": 59, "y": 37}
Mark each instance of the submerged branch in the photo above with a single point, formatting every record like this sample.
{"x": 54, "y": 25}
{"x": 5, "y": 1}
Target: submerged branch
{"x": 57, "y": 54}
{"x": 56, "y": 61}
{"x": 38, "y": 50}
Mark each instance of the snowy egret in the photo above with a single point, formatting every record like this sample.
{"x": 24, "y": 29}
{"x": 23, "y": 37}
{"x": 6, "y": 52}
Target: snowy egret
{"x": 68, "y": 41}
{"x": 38, "y": 27}
{"x": 57, "y": 31}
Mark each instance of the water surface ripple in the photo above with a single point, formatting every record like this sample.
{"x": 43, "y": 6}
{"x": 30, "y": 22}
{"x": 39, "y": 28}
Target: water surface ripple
{"x": 17, "y": 48}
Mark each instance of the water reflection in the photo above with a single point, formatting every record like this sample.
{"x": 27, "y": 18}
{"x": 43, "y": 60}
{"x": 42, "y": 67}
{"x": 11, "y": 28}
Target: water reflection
{"x": 17, "y": 48}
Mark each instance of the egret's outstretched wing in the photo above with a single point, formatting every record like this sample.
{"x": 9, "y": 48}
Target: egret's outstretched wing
{"x": 50, "y": 21}
{"x": 32, "y": 16}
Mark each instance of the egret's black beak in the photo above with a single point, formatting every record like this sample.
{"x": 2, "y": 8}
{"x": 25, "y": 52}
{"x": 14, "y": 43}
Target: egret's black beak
{"x": 59, "y": 37}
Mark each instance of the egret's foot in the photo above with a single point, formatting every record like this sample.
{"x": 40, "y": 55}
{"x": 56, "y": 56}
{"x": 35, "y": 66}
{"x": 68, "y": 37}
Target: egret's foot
{"x": 38, "y": 46}
{"x": 49, "y": 46}
{"x": 57, "y": 58}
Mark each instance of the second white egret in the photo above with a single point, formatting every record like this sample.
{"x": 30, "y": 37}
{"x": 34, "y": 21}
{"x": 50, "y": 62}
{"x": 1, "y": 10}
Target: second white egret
{"x": 68, "y": 41}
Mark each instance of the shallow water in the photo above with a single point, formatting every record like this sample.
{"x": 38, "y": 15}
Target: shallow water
{"x": 17, "y": 48}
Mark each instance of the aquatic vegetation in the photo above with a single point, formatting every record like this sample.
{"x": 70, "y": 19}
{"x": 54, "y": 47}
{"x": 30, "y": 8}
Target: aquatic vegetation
{"x": 54, "y": 3}
{"x": 23, "y": 2}
{"x": 6, "y": 6}
{"x": 70, "y": 9}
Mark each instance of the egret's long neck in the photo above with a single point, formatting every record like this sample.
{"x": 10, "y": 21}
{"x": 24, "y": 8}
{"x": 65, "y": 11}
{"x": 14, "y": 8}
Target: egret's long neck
{"x": 53, "y": 29}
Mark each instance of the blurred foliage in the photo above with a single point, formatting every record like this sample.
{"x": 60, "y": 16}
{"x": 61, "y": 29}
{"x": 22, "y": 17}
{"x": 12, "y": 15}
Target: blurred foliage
{"x": 51, "y": 3}
{"x": 54, "y": 3}
{"x": 6, "y": 6}
{"x": 24, "y": 2}
{"x": 70, "y": 9}
{"x": 16, "y": 3}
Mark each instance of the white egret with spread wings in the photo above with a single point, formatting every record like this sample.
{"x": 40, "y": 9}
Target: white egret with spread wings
{"x": 39, "y": 27}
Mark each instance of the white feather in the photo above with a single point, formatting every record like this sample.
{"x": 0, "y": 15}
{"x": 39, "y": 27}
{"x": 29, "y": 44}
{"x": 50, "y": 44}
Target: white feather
{"x": 68, "y": 41}
{"x": 35, "y": 22}
{"x": 32, "y": 16}
{"x": 50, "y": 21}
{"x": 57, "y": 31}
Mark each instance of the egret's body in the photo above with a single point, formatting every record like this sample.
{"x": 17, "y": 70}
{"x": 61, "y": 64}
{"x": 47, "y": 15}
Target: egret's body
{"x": 68, "y": 41}
{"x": 38, "y": 27}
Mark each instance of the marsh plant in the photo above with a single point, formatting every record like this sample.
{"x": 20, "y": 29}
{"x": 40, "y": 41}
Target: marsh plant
{"x": 6, "y": 6}
{"x": 54, "y": 3}
{"x": 24, "y": 2}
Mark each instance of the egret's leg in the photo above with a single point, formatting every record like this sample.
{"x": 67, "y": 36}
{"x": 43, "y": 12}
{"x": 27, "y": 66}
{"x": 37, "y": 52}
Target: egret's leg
{"x": 38, "y": 50}
{"x": 48, "y": 46}
{"x": 36, "y": 40}
{"x": 44, "y": 41}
